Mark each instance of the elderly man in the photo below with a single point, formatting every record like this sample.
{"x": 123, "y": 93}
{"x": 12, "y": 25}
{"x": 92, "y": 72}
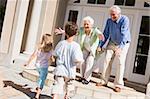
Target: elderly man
{"x": 117, "y": 33}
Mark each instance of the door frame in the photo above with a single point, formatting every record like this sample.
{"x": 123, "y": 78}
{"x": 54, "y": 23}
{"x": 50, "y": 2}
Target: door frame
{"x": 136, "y": 15}
{"x": 144, "y": 79}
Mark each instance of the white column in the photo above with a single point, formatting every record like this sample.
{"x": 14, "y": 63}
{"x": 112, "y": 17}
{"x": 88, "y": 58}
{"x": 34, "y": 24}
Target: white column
{"x": 34, "y": 27}
{"x": 148, "y": 91}
{"x": 19, "y": 25}
{"x": 7, "y": 26}
{"x": 50, "y": 16}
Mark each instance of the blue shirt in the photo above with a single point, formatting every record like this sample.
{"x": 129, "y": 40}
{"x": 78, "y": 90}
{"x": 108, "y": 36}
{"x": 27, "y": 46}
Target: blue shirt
{"x": 117, "y": 32}
{"x": 67, "y": 54}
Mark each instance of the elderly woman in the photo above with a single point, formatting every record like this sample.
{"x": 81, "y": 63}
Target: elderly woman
{"x": 88, "y": 37}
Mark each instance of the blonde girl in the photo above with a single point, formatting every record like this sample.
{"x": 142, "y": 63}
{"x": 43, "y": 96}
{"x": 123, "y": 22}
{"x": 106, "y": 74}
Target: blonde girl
{"x": 43, "y": 54}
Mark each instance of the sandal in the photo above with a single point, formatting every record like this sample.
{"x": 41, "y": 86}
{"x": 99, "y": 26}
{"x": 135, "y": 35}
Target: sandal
{"x": 117, "y": 89}
{"x": 101, "y": 84}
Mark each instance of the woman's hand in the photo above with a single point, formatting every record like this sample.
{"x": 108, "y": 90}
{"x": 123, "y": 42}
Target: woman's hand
{"x": 101, "y": 37}
{"x": 26, "y": 64}
{"x": 59, "y": 31}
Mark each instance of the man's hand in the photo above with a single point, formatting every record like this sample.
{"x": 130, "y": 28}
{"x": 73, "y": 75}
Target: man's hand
{"x": 59, "y": 31}
{"x": 99, "y": 49}
{"x": 101, "y": 37}
{"x": 118, "y": 51}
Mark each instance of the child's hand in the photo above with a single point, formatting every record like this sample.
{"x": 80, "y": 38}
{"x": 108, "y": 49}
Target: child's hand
{"x": 26, "y": 64}
{"x": 52, "y": 59}
{"x": 99, "y": 49}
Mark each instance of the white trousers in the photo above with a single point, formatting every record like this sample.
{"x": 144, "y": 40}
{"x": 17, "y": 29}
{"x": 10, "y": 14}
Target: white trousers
{"x": 87, "y": 67}
{"x": 62, "y": 84}
{"x": 120, "y": 65}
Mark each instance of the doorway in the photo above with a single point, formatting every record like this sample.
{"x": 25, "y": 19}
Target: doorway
{"x": 140, "y": 70}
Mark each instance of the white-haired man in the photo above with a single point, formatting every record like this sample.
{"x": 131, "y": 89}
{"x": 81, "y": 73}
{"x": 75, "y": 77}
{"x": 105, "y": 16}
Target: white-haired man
{"x": 117, "y": 31}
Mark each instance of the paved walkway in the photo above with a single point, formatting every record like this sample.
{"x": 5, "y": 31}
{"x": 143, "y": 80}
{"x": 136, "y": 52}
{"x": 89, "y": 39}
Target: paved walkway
{"x": 14, "y": 86}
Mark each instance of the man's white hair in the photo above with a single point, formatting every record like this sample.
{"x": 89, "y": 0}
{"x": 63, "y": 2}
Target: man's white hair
{"x": 90, "y": 19}
{"x": 115, "y": 8}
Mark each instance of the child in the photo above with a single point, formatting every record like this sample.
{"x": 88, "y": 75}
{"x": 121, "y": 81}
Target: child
{"x": 42, "y": 55}
{"x": 68, "y": 55}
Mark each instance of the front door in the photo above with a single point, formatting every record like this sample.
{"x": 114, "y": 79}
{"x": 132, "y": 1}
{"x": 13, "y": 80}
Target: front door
{"x": 140, "y": 69}
{"x": 138, "y": 58}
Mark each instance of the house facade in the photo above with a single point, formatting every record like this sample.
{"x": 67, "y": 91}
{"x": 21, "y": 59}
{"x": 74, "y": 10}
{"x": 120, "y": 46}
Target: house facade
{"x": 24, "y": 22}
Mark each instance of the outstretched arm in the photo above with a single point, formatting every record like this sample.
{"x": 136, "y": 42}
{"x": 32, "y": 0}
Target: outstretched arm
{"x": 59, "y": 31}
{"x": 31, "y": 58}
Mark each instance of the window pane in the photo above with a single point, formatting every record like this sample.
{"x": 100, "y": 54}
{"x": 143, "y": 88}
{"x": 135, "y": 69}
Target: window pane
{"x": 119, "y": 2}
{"x": 146, "y": 4}
{"x": 73, "y": 16}
{"x": 130, "y": 2}
{"x": 96, "y": 1}
{"x": 145, "y": 24}
{"x": 92, "y": 1}
{"x": 77, "y": 1}
{"x": 101, "y": 1}
{"x": 2, "y": 13}
{"x": 143, "y": 45}
{"x": 140, "y": 64}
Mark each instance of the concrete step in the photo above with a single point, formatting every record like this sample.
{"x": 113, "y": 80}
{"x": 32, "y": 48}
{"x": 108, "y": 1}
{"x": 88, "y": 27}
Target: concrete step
{"x": 90, "y": 90}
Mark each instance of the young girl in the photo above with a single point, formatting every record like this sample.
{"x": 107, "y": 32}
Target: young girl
{"x": 43, "y": 54}
{"x": 68, "y": 55}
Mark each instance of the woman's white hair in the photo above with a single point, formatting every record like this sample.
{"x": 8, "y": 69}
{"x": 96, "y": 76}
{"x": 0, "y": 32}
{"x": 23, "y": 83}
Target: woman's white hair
{"x": 115, "y": 8}
{"x": 90, "y": 19}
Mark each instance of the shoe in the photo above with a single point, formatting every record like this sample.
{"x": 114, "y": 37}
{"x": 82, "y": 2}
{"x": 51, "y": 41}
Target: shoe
{"x": 101, "y": 84}
{"x": 117, "y": 89}
{"x": 85, "y": 82}
{"x": 80, "y": 79}
{"x": 34, "y": 98}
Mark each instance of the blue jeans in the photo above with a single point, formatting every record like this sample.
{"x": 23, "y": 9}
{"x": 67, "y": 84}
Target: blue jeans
{"x": 42, "y": 76}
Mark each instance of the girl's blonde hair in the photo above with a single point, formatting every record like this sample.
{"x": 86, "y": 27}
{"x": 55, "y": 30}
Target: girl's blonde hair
{"x": 46, "y": 43}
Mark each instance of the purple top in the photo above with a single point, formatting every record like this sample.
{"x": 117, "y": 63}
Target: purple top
{"x": 43, "y": 58}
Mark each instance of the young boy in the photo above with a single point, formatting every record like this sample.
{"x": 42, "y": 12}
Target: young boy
{"x": 68, "y": 55}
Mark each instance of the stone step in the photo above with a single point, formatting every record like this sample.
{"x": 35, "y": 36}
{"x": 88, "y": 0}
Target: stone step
{"x": 90, "y": 90}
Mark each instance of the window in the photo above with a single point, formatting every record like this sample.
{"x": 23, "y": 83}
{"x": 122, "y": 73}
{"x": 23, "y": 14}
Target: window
{"x": 73, "y": 14}
{"x": 145, "y": 25}
{"x": 125, "y": 2}
{"x": 142, "y": 46}
{"x": 77, "y": 1}
{"x": 96, "y": 1}
{"x": 119, "y": 2}
{"x": 140, "y": 64}
{"x": 130, "y": 3}
{"x": 2, "y": 13}
{"x": 146, "y": 4}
